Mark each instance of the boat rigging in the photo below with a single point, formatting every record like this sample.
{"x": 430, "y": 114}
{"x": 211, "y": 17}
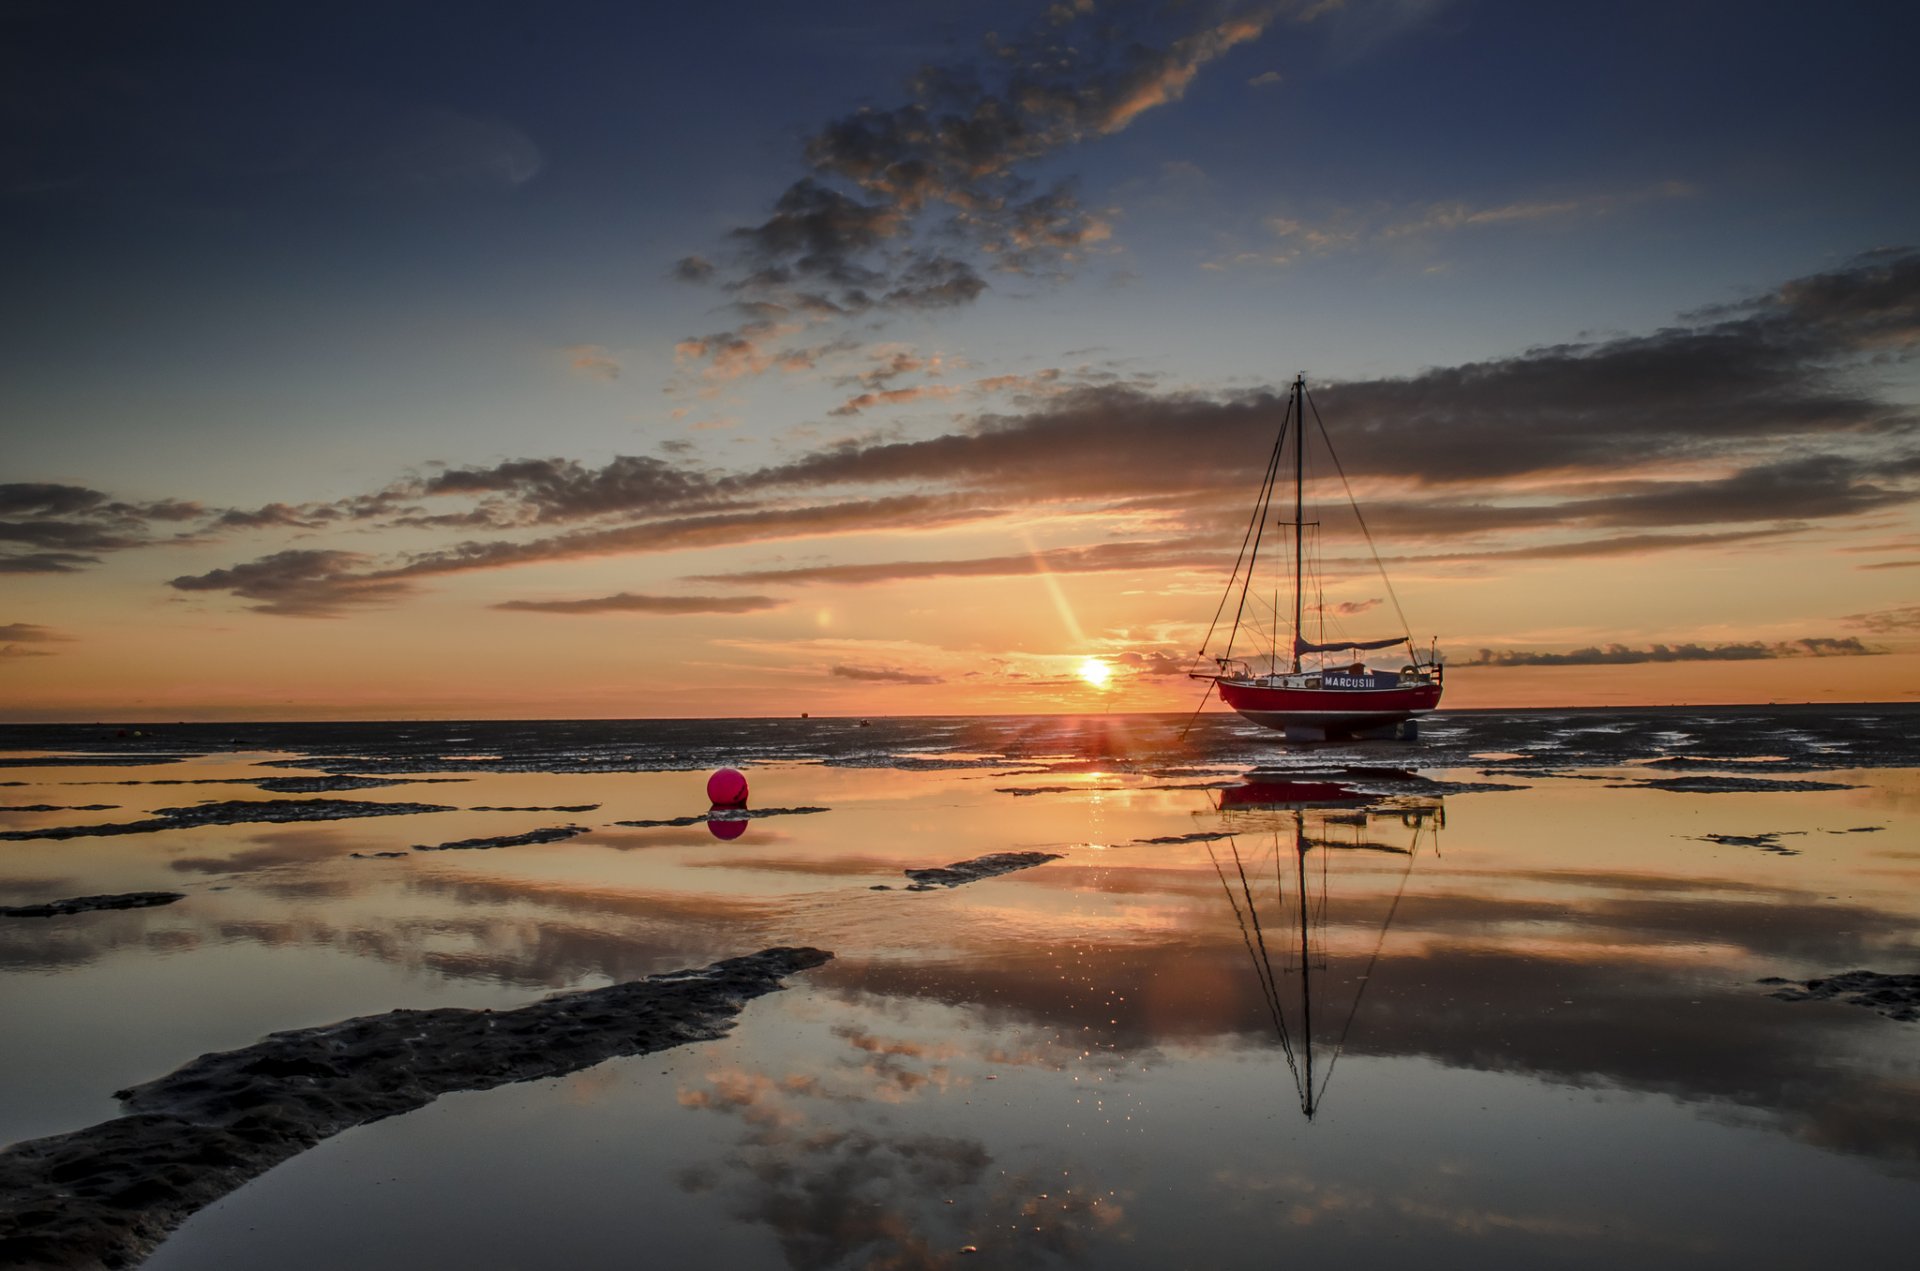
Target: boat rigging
{"x": 1324, "y": 700}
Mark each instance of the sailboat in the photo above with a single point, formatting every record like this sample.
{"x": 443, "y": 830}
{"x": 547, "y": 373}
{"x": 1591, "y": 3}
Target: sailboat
{"x": 1337, "y": 695}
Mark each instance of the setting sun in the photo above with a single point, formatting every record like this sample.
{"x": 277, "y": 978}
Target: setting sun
{"x": 1096, "y": 672}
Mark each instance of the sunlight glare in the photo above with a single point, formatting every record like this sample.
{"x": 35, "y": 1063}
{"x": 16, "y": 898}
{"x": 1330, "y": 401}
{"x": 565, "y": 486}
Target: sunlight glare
{"x": 1095, "y": 672}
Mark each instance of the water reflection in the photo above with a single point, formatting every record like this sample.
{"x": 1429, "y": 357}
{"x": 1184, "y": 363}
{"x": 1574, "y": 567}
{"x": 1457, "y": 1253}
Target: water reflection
{"x": 1580, "y": 959}
{"x": 1286, "y": 935}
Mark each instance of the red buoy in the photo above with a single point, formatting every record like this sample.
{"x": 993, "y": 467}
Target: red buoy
{"x": 727, "y": 788}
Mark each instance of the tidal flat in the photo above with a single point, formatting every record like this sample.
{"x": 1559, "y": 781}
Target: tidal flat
{"x": 1541, "y": 988}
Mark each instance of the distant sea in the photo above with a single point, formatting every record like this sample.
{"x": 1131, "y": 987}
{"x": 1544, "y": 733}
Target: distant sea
{"x": 1786, "y": 737}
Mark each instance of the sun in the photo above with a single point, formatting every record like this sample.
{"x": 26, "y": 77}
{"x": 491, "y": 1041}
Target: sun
{"x": 1096, "y": 672}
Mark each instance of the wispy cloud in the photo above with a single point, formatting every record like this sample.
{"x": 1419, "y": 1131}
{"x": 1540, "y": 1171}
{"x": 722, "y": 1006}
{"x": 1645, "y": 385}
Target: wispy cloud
{"x": 593, "y": 360}
{"x": 22, "y": 640}
{"x": 1100, "y": 558}
{"x": 1293, "y": 236}
{"x": 627, "y": 602}
{"x": 32, "y": 633}
{"x": 301, "y": 584}
{"x": 1887, "y": 621}
{"x": 1622, "y": 655}
{"x": 883, "y": 675}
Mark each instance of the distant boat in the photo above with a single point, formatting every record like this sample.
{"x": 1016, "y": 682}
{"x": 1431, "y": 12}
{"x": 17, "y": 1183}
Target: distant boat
{"x": 1331, "y": 698}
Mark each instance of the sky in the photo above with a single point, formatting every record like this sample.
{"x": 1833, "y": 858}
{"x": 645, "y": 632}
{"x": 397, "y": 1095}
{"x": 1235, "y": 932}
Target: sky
{"x": 615, "y": 360}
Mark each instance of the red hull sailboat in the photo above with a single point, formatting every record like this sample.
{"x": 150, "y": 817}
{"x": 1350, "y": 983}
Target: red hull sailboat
{"x": 1337, "y": 695}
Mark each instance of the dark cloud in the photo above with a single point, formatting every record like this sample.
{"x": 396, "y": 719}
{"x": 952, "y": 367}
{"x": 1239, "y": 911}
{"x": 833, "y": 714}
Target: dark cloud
{"x": 9, "y": 651}
{"x": 322, "y": 583}
{"x": 1887, "y": 621}
{"x": 550, "y": 490}
{"x": 21, "y": 498}
{"x": 45, "y": 562}
{"x": 1155, "y": 664}
{"x": 883, "y": 675}
{"x": 891, "y": 195}
{"x": 693, "y": 269}
{"x": 305, "y": 584}
{"x": 273, "y": 516}
{"x": 1742, "y": 425}
{"x": 1620, "y": 654}
{"x": 31, "y": 633}
{"x": 626, "y": 602}
{"x": 62, "y": 526}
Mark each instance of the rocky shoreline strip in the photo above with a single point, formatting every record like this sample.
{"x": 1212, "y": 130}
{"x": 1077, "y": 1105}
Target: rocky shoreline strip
{"x": 88, "y": 904}
{"x": 551, "y": 834}
{"x": 721, "y": 814}
{"x": 991, "y": 865}
{"x": 105, "y": 1197}
{"x": 232, "y": 812}
{"x": 1895, "y": 996}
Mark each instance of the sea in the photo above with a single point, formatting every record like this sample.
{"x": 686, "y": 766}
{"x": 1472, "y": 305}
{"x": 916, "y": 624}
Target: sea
{"x": 1547, "y": 988}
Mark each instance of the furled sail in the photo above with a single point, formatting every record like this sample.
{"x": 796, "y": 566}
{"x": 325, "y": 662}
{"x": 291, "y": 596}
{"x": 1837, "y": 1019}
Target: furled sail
{"x": 1302, "y": 646}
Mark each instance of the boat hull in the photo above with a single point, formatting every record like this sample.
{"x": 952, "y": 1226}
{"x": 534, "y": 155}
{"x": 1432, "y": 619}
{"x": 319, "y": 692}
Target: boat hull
{"x": 1317, "y": 714}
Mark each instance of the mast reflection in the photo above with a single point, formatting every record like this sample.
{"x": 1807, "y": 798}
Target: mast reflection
{"x": 1286, "y": 936}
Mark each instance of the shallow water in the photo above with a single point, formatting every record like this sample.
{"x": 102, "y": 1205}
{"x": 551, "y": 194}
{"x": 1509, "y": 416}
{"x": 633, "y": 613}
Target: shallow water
{"x": 1487, "y": 999}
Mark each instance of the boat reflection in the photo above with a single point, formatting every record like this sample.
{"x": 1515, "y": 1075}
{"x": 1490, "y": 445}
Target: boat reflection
{"x": 1306, "y": 826}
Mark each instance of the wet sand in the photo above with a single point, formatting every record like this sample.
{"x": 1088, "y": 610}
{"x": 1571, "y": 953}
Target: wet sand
{"x": 1495, "y": 996}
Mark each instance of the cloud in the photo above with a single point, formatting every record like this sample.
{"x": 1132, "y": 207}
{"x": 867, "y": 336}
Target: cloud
{"x": 626, "y": 602}
{"x": 31, "y": 633}
{"x": 1886, "y": 621}
{"x": 1155, "y": 664}
{"x": 1621, "y": 655}
{"x": 1266, "y": 79}
{"x": 45, "y": 562}
{"x": 693, "y": 269}
{"x": 892, "y": 397}
{"x": 1742, "y": 424}
{"x": 1353, "y": 228}
{"x": 883, "y": 675}
{"x": 592, "y": 359}
{"x": 901, "y": 207}
{"x": 536, "y": 491}
{"x": 12, "y": 651}
{"x": 1733, "y": 391}
{"x": 297, "y": 583}
{"x": 62, "y": 527}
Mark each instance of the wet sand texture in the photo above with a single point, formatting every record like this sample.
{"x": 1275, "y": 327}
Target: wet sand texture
{"x": 989, "y": 866}
{"x": 106, "y": 1196}
{"x": 233, "y": 812}
{"x": 86, "y": 904}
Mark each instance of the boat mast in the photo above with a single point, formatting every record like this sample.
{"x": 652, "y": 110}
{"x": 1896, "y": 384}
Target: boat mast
{"x": 1299, "y": 529}
{"x": 1306, "y": 966}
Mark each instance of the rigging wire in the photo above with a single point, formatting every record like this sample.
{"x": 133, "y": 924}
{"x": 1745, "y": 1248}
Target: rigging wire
{"x": 1355, "y": 504}
{"x": 1260, "y": 515}
{"x": 1254, "y": 523}
{"x": 1263, "y": 969}
{"x": 1366, "y": 979}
